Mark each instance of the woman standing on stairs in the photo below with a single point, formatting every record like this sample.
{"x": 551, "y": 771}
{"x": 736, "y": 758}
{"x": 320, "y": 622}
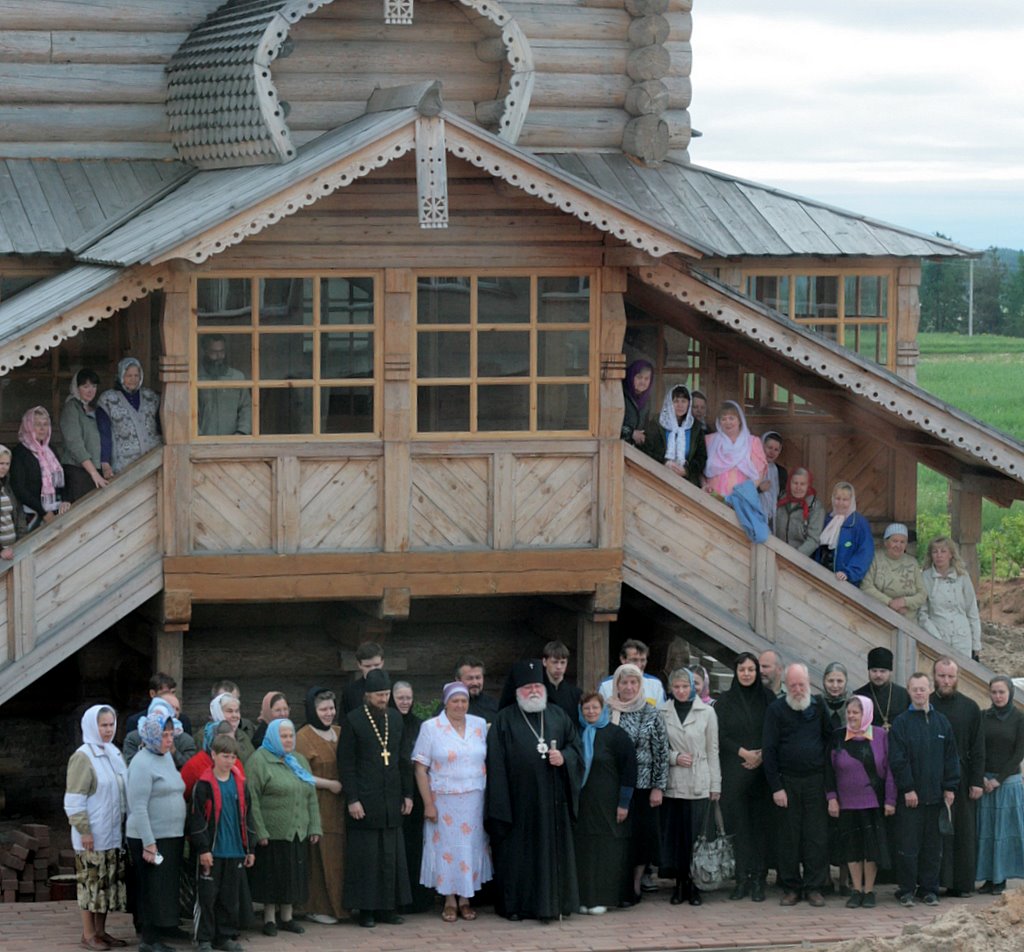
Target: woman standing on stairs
{"x": 745, "y": 796}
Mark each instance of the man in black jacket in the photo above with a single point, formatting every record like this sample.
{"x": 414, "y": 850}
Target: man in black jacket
{"x": 959, "y": 851}
{"x": 924, "y": 761}
{"x": 796, "y": 731}
{"x": 375, "y": 768}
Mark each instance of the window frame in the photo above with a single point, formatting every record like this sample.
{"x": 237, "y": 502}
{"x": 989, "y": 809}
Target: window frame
{"x": 474, "y": 327}
{"x": 316, "y": 383}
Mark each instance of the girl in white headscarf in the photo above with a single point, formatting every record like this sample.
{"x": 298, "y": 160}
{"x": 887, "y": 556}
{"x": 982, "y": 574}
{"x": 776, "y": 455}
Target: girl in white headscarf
{"x": 94, "y": 801}
{"x": 734, "y": 454}
{"x": 677, "y": 439}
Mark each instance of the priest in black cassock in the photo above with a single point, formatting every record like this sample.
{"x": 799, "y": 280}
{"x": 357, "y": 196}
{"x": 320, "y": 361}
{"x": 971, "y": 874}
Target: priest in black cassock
{"x": 959, "y": 852}
{"x": 890, "y": 699}
{"x": 375, "y": 768}
{"x": 534, "y": 773}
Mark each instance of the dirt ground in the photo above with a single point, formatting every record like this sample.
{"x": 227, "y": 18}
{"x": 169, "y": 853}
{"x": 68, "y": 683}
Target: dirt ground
{"x": 997, "y": 928}
{"x": 1002, "y": 618}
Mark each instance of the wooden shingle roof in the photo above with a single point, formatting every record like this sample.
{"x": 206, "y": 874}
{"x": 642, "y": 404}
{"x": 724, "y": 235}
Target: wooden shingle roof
{"x": 743, "y": 219}
{"x": 50, "y": 207}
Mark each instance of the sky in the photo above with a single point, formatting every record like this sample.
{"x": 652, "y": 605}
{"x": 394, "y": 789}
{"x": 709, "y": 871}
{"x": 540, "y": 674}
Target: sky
{"x": 910, "y": 111}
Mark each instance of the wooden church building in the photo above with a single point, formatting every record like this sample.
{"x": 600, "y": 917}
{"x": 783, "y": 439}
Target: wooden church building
{"x": 432, "y": 234}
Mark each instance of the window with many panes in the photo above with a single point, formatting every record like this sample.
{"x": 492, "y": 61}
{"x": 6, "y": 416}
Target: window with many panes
{"x": 504, "y": 353}
{"x": 677, "y": 357}
{"x": 852, "y": 309}
{"x": 286, "y": 355}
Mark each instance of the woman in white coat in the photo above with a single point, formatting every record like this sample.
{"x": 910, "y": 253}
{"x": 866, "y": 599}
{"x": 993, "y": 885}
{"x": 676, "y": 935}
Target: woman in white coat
{"x": 951, "y": 611}
{"x": 694, "y": 779}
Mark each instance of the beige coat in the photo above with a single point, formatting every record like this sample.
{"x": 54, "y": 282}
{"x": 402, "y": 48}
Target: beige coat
{"x": 698, "y": 736}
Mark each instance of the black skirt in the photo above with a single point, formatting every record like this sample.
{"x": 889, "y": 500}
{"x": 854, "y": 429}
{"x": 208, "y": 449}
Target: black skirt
{"x": 280, "y": 874}
{"x": 156, "y": 887}
{"x": 862, "y": 837}
{"x": 645, "y": 834}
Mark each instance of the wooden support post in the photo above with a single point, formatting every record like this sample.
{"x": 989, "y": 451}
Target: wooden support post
{"x": 903, "y": 485}
{"x": 394, "y": 603}
{"x": 22, "y": 622}
{"x": 287, "y": 479}
{"x": 399, "y": 287}
{"x": 175, "y": 412}
{"x": 908, "y": 315}
{"x": 592, "y": 652}
{"x": 175, "y": 616}
{"x": 965, "y": 526}
{"x": 763, "y": 597}
{"x": 610, "y": 408}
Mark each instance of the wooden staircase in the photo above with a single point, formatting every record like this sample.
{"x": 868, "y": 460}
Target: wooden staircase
{"x": 686, "y": 551}
{"x": 73, "y": 579}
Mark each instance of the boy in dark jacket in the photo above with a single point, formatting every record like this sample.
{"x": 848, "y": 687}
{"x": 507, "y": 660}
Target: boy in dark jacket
{"x": 222, "y": 835}
{"x": 924, "y": 761}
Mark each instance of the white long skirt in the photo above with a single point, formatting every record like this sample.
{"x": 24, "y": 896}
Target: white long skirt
{"x": 456, "y": 853}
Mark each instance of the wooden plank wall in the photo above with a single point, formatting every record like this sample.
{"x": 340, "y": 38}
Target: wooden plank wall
{"x": 686, "y": 551}
{"x": 74, "y": 579}
{"x": 87, "y": 79}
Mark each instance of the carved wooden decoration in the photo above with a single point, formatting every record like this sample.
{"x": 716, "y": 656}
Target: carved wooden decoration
{"x": 398, "y": 12}
{"x": 431, "y": 173}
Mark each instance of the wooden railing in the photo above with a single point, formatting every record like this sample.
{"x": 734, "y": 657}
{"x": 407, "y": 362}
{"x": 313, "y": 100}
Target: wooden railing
{"x": 686, "y": 551}
{"x": 74, "y": 578}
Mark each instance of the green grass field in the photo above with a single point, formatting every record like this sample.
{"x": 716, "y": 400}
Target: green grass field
{"x": 983, "y": 375}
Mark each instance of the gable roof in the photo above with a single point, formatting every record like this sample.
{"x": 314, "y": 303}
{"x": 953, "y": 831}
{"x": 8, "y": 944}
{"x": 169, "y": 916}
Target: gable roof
{"x": 740, "y": 218}
{"x": 52, "y": 207}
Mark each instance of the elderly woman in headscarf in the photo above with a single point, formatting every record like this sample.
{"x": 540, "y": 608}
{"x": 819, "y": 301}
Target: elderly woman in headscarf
{"x": 1001, "y": 810}
{"x": 601, "y": 832}
{"x": 286, "y": 817}
{"x": 636, "y": 392}
{"x": 225, "y": 716}
{"x": 86, "y": 432}
{"x": 800, "y": 516}
{"x": 274, "y": 705}
{"x": 95, "y": 803}
{"x": 745, "y": 796}
{"x": 12, "y": 516}
{"x": 317, "y": 741}
{"x": 449, "y": 760}
{"x": 36, "y": 475}
{"x": 674, "y": 438}
{"x": 155, "y": 829}
{"x": 735, "y": 455}
{"x": 631, "y": 712}
{"x": 694, "y": 779}
{"x": 860, "y": 788}
{"x": 133, "y": 411}
{"x": 894, "y": 577}
{"x": 184, "y": 747}
{"x": 846, "y": 546}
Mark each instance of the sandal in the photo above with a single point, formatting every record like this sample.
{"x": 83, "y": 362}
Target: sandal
{"x": 112, "y": 942}
{"x": 96, "y": 944}
{"x": 449, "y": 913}
{"x": 467, "y": 911}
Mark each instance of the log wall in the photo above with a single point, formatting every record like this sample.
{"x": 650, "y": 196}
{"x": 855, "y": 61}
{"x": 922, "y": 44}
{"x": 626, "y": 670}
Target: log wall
{"x": 87, "y": 79}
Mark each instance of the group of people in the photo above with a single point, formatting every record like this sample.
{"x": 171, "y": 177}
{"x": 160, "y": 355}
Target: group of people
{"x": 566, "y": 799}
{"x": 727, "y": 459}
{"x": 101, "y": 435}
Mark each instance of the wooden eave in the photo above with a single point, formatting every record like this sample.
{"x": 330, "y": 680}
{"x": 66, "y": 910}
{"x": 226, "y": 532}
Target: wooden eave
{"x": 858, "y": 391}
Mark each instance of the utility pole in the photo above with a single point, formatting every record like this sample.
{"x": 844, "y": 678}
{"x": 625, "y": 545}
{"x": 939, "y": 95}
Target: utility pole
{"x": 970, "y": 298}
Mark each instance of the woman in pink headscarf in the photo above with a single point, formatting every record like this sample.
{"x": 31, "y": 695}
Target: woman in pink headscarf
{"x": 735, "y": 455}
{"x": 860, "y": 787}
{"x": 36, "y": 474}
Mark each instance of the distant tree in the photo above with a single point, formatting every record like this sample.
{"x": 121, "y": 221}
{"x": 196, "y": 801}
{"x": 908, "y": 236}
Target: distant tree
{"x": 989, "y": 275}
{"x": 1013, "y": 299}
{"x": 944, "y": 295}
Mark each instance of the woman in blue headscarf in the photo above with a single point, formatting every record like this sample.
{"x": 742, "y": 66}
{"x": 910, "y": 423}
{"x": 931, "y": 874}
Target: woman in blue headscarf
{"x": 602, "y": 833}
{"x": 286, "y": 818}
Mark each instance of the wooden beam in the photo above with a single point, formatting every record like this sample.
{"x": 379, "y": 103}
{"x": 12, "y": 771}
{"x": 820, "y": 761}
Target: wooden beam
{"x": 251, "y": 578}
{"x": 592, "y": 652}
{"x": 395, "y": 603}
{"x": 965, "y": 526}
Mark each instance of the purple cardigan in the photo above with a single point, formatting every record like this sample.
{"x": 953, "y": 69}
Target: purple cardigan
{"x": 847, "y": 777}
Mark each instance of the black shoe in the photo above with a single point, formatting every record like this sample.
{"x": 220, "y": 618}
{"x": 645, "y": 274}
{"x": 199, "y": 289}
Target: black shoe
{"x": 514, "y": 917}
{"x": 270, "y": 928}
{"x": 744, "y": 887}
{"x": 868, "y": 902}
{"x": 856, "y": 900}
{"x": 695, "y": 899}
{"x": 930, "y": 899}
{"x": 757, "y": 890}
{"x": 367, "y": 920}
{"x": 999, "y": 888}
{"x": 390, "y": 918}
{"x": 290, "y": 926}
{"x": 985, "y": 889}
{"x": 677, "y": 894}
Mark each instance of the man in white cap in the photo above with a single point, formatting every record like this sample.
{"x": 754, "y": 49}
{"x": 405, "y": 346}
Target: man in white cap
{"x": 534, "y": 773}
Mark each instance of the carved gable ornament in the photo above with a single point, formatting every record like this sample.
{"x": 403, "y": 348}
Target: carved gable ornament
{"x": 224, "y": 109}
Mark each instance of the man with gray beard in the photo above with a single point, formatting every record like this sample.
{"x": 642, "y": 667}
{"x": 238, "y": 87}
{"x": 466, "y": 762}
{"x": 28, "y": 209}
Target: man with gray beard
{"x": 796, "y": 732}
{"x": 534, "y": 774}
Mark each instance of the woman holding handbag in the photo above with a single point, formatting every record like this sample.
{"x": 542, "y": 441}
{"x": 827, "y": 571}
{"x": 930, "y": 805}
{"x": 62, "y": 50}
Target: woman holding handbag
{"x": 694, "y": 779}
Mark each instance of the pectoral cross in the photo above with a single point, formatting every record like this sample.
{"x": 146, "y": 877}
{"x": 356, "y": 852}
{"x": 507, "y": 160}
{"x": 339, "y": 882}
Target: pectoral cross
{"x": 386, "y": 757}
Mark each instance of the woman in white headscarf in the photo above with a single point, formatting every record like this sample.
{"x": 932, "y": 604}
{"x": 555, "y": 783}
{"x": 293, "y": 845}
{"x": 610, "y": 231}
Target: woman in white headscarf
{"x": 676, "y": 439}
{"x": 134, "y": 415}
{"x": 95, "y": 804}
{"x": 735, "y": 455}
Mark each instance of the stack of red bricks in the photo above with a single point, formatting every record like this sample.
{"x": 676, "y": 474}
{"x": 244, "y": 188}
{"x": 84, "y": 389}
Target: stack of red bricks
{"x": 25, "y": 864}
